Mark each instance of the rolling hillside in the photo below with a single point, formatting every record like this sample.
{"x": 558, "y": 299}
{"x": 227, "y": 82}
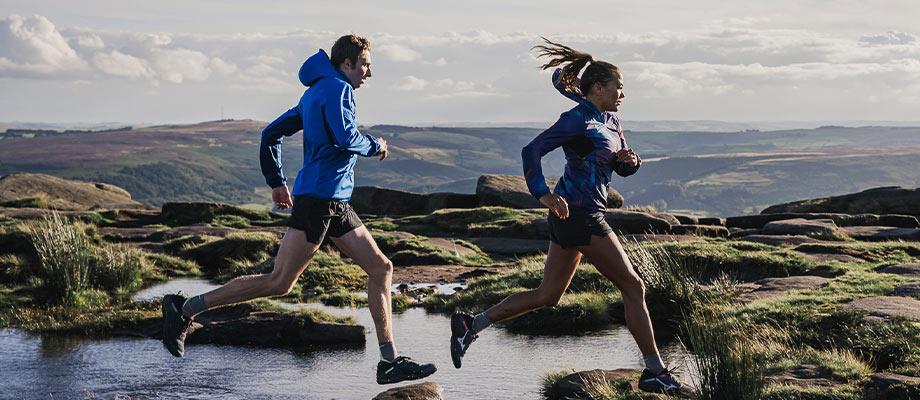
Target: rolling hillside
{"x": 708, "y": 172}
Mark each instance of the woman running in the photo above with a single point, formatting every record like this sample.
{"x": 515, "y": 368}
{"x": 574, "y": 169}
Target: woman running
{"x": 595, "y": 147}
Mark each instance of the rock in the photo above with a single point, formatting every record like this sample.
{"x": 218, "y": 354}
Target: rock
{"x": 636, "y": 222}
{"x": 822, "y": 228}
{"x": 380, "y": 201}
{"x": 735, "y": 233}
{"x": 476, "y": 273}
{"x": 770, "y": 287}
{"x": 899, "y": 221}
{"x": 573, "y": 385}
{"x": 908, "y": 290}
{"x": 806, "y": 376}
{"x": 418, "y": 391}
{"x": 667, "y": 217}
{"x": 901, "y": 269}
{"x": 887, "y": 307}
{"x": 712, "y": 221}
{"x": 189, "y": 213}
{"x": 438, "y": 201}
{"x": 779, "y": 240}
{"x": 819, "y": 253}
{"x": 882, "y": 233}
{"x": 882, "y": 200}
{"x": 128, "y": 234}
{"x": 889, "y": 386}
{"x": 755, "y": 221}
{"x": 62, "y": 194}
{"x": 450, "y": 246}
{"x": 665, "y": 238}
{"x": 509, "y": 246}
{"x": 511, "y": 191}
{"x": 700, "y": 230}
{"x": 687, "y": 219}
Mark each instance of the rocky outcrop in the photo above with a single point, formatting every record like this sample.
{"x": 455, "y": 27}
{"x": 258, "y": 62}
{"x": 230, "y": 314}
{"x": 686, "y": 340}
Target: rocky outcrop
{"x": 700, "y": 230}
{"x": 883, "y": 200}
{"x": 901, "y": 269}
{"x": 634, "y": 222}
{"x": 882, "y": 233}
{"x": 887, "y": 307}
{"x": 889, "y": 386}
{"x": 418, "y": 391}
{"x": 380, "y": 201}
{"x": 806, "y": 376}
{"x": 511, "y": 247}
{"x": 46, "y": 191}
{"x": 511, "y": 191}
{"x": 189, "y": 213}
{"x": 818, "y": 228}
{"x": 712, "y": 221}
{"x": 759, "y": 220}
{"x": 769, "y": 287}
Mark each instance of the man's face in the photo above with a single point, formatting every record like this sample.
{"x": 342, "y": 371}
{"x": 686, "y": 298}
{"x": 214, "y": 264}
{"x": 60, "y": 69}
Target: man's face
{"x": 359, "y": 71}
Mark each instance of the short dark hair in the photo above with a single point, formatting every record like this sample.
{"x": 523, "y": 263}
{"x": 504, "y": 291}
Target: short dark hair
{"x": 348, "y": 47}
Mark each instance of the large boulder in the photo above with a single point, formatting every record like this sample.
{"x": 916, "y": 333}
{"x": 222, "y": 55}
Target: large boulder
{"x": 511, "y": 191}
{"x": 636, "y": 222}
{"x": 46, "y": 191}
{"x": 380, "y": 201}
{"x": 418, "y": 391}
{"x": 819, "y": 228}
{"x": 882, "y": 200}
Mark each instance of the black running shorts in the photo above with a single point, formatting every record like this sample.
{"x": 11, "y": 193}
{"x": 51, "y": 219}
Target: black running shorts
{"x": 317, "y": 217}
{"x": 577, "y": 229}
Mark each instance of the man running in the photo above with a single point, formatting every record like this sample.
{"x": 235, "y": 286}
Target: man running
{"x": 326, "y": 114}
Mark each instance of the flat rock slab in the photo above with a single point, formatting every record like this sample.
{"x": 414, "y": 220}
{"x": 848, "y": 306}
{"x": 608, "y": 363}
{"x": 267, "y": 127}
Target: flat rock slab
{"x": 770, "y": 287}
{"x": 901, "y": 269}
{"x": 449, "y": 245}
{"x": 432, "y": 273}
{"x": 700, "y": 230}
{"x": 806, "y": 376}
{"x": 801, "y": 226}
{"x": 418, "y": 391}
{"x": 908, "y": 289}
{"x": 887, "y": 307}
{"x": 882, "y": 233}
{"x": 509, "y": 246}
{"x": 889, "y": 386}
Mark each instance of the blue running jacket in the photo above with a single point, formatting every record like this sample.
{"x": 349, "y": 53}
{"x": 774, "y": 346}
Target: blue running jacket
{"x": 590, "y": 140}
{"x": 331, "y": 143}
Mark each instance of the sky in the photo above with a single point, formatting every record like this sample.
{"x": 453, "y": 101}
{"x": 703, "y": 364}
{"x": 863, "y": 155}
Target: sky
{"x": 444, "y": 62}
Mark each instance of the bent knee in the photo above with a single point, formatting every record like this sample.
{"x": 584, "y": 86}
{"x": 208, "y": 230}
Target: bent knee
{"x": 280, "y": 287}
{"x": 633, "y": 288}
{"x": 380, "y": 268}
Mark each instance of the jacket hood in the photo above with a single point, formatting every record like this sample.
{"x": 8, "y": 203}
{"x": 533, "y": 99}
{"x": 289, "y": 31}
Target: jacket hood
{"x": 319, "y": 66}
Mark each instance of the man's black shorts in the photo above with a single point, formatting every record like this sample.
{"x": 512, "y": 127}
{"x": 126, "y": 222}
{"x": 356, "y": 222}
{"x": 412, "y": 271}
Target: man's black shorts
{"x": 317, "y": 217}
{"x": 577, "y": 229}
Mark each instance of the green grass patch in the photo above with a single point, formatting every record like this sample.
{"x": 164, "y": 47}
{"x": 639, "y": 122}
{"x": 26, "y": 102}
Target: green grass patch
{"x": 164, "y": 267}
{"x": 875, "y": 252}
{"x": 230, "y": 221}
{"x": 99, "y": 320}
{"x": 744, "y": 261}
{"x": 331, "y": 278}
{"x": 215, "y": 257}
{"x": 789, "y": 392}
{"x": 343, "y": 299}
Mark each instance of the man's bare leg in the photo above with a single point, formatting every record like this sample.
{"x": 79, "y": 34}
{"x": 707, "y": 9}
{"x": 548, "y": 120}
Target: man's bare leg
{"x": 360, "y": 246}
{"x": 292, "y": 258}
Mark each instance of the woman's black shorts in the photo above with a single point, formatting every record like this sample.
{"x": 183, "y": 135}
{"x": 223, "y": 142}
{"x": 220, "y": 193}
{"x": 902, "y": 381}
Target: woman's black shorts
{"x": 317, "y": 217}
{"x": 577, "y": 229}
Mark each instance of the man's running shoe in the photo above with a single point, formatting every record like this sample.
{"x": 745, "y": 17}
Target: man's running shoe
{"x": 175, "y": 324}
{"x": 660, "y": 383}
{"x": 402, "y": 369}
{"x": 461, "y": 336}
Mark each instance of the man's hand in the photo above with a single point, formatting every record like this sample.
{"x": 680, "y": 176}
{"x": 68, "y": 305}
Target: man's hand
{"x": 556, "y": 204}
{"x": 383, "y": 148}
{"x": 628, "y": 156}
{"x": 281, "y": 196}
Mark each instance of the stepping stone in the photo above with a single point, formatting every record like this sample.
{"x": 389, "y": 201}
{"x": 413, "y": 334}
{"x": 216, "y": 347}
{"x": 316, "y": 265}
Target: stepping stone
{"x": 908, "y": 290}
{"x": 887, "y": 307}
{"x": 901, "y": 269}
{"x": 882, "y": 233}
{"x": 418, "y": 391}
{"x": 770, "y": 287}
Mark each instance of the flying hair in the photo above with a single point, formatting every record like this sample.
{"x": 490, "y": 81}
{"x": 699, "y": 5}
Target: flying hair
{"x": 575, "y": 61}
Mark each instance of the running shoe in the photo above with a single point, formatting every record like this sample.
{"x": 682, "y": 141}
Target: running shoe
{"x": 461, "y": 336}
{"x": 663, "y": 382}
{"x": 175, "y": 324}
{"x": 402, "y": 369}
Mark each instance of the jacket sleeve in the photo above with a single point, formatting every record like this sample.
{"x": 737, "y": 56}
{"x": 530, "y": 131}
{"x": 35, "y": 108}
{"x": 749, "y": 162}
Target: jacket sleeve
{"x": 569, "y": 126}
{"x": 341, "y": 123}
{"x": 623, "y": 169}
{"x": 287, "y": 124}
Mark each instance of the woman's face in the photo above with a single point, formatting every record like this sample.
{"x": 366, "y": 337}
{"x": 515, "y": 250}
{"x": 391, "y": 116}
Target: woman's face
{"x": 610, "y": 94}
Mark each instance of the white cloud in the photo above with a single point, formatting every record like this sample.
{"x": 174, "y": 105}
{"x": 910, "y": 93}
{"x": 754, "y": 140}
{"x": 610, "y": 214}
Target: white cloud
{"x": 177, "y": 65}
{"x": 411, "y": 84}
{"x": 888, "y": 38}
{"x": 119, "y": 64}
{"x": 398, "y": 53}
{"x": 93, "y": 42}
{"x": 34, "y": 46}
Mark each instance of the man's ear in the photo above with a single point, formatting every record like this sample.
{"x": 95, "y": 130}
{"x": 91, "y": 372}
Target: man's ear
{"x": 346, "y": 64}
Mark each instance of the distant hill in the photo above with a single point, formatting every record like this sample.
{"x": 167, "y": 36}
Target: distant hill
{"x": 45, "y": 191}
{"x": 722, "y": 173}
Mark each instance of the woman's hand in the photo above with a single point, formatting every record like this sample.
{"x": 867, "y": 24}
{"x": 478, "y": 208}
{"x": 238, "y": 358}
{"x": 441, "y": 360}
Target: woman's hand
{"x": 556, "y": 205}
{"x": 628, "y": 156}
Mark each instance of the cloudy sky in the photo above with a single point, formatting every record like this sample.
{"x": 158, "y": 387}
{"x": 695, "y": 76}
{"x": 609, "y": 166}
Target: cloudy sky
{"x": 466, "y": 61}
